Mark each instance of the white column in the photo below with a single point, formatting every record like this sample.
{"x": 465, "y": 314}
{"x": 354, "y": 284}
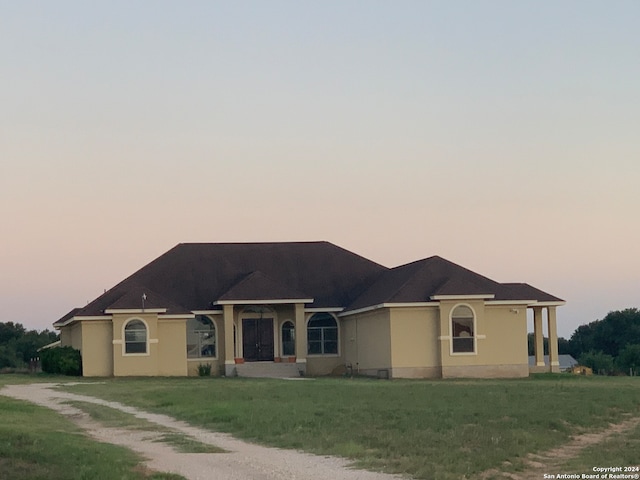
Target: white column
{"x": 553, "y": 340}
{"x": 538, "y": 336}
{"x": 229, "y": 361}
{"x": 301, "y": 338}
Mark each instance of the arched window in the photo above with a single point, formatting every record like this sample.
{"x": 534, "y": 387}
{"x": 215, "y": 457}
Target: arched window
{"x": 135, "y": 337}
{"x": 201, "y": 337}
{"x": 288, "y": 339}
{"x": 322, "y": 335}
{"x": 463, "y": 329}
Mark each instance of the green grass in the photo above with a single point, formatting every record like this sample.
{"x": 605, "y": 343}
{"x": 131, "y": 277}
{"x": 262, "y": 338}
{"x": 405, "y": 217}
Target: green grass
{"x": 110, "y": 417}
{"x": 16, "y": 379}
{"x": 428, "y": 429}
{"x": 38, "y": 444}
{"x": 619, "y": 450}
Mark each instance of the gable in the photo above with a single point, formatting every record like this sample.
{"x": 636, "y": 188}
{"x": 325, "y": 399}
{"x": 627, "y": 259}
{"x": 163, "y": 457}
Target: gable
{"x": 428, "y": 279}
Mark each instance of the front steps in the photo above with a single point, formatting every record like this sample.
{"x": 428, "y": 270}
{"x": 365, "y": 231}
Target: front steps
{"x": 267, "y": 370}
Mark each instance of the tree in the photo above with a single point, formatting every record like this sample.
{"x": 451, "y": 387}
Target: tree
{"x": 629, "y": 359}
{"x": 10, "y": 331}
{"x": 609, "y": 335}
{"x": 599, "y": 362}
{"x": 18, "y": 346}
{"x": 563, "y": 345}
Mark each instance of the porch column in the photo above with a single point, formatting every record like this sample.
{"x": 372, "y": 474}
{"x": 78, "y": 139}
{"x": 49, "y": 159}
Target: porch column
{"x": 554, "y": 361}
{"x": 301, "y": 339}
{"x": 538, "y": 336}
{"x": 229, "y": 361}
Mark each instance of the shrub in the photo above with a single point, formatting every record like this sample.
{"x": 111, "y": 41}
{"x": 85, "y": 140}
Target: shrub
{"x": 204, "y": 370}
{"x": 61, "y": 361}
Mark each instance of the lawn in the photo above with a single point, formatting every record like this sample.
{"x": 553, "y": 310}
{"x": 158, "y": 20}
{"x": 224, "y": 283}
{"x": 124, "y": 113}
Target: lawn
{"x": 427, "y": 429}
{"x": 37, "y": 444}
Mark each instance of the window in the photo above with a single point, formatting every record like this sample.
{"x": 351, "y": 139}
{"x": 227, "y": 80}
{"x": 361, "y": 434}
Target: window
{"x": 288, "y": 339}
{"x": 135, "y": 337}
{"x": 201, "y": 337}
{"x": 463, "y": 329}
{"x": 322, "y": 335}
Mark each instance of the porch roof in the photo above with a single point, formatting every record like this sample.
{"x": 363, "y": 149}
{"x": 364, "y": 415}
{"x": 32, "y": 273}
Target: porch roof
{"x": 258, "y": 285}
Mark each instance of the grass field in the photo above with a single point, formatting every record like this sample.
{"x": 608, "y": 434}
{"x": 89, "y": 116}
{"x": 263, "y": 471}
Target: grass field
{"x": 37, "y": 444}
{"x": 427, "y": 429}
{"x": 444, "y": 429}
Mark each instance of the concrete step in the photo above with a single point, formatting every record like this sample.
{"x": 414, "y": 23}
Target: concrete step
{"x": 267, "y": 370}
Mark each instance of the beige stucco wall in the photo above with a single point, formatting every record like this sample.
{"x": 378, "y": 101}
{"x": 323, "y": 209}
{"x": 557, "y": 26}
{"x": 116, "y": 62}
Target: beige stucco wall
{"x": 145, "y": 364}
{"x": 501, "y": 342}
{"x": 65, "y": 336}
{"x": 366, "y": 341}
{"x": 73, "y": 336}
{"x": 506, "y": 329}
{"x": 172, "y": 347}
{"x": 319, "y": 365}
{"x": 410, "y": 342}
{"x": 97, "y": 348}
{"x": 415, "y": 348}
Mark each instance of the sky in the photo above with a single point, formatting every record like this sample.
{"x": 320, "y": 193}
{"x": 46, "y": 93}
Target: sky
{"x": 501, "y": 135}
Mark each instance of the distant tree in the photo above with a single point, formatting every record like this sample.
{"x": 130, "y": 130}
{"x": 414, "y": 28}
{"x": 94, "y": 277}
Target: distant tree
{"x": 18, "y": 346}
{"x": 629, "y": 359}
{"x": 599, "y": 362}
{"x": 10, "y": 331}
{"x": 609, "y": 335}
{"x": 27, "y": 346}
{"x": 8, "y": 358}
{"x": 563, "y": 345}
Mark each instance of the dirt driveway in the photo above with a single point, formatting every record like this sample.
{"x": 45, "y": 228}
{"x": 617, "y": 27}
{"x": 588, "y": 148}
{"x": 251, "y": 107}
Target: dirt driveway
{"x": 242, "y": 460}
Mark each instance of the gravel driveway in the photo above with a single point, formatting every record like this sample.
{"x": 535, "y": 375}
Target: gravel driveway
{"x": 243, "y": 461}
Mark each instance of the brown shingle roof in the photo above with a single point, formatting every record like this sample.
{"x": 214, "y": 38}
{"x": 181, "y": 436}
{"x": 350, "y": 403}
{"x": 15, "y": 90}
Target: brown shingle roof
{"x": 67, "y": 316}
{"x": 194, "y": 276}
{"x": 132, "y": 299}
{"x": 419, "y": 281}
{"x": 258, "y": 286}
{"x": 525, "y": 291}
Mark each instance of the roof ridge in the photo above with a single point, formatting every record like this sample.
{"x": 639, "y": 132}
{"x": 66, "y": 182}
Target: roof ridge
{"x": 411, "y": 277}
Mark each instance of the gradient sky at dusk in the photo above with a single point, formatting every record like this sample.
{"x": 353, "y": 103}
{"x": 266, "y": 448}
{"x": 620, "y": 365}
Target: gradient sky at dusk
{"x": 501, "y": 135}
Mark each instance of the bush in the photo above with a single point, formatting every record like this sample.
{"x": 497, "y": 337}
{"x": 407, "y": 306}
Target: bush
{"x": 204, "y": 370}
{"x": 61, "y": 361}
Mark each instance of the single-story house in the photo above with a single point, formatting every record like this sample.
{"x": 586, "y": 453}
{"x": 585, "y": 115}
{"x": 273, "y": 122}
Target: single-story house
{"x": 312, "y": 305}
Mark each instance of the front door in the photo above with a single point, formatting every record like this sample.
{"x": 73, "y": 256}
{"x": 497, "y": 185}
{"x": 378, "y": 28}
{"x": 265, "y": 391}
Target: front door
{"x": 257, "y": 339}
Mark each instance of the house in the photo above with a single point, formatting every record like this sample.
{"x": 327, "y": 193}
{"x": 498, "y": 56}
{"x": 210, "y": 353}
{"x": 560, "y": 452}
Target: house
{"x": 313, "y": 305}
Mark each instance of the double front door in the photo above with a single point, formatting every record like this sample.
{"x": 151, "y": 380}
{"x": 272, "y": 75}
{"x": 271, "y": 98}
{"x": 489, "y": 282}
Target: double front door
{"x": 257, "y": 339}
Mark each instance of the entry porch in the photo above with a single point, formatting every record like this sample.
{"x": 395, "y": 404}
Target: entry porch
{"x": 259, "y": 333}
{"x": 539, "y": 314}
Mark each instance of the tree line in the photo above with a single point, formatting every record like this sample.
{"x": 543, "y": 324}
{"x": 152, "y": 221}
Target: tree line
{"x": 608, "y": 346}
{"x": 19, "y": 345}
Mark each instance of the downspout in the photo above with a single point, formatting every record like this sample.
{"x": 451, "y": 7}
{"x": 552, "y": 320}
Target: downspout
{"x": 357, "y": 355}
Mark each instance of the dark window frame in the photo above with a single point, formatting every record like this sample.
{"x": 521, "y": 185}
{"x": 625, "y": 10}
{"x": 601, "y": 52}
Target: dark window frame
{"x": 136, "y": 337}
{"x": 323, "y": 335}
